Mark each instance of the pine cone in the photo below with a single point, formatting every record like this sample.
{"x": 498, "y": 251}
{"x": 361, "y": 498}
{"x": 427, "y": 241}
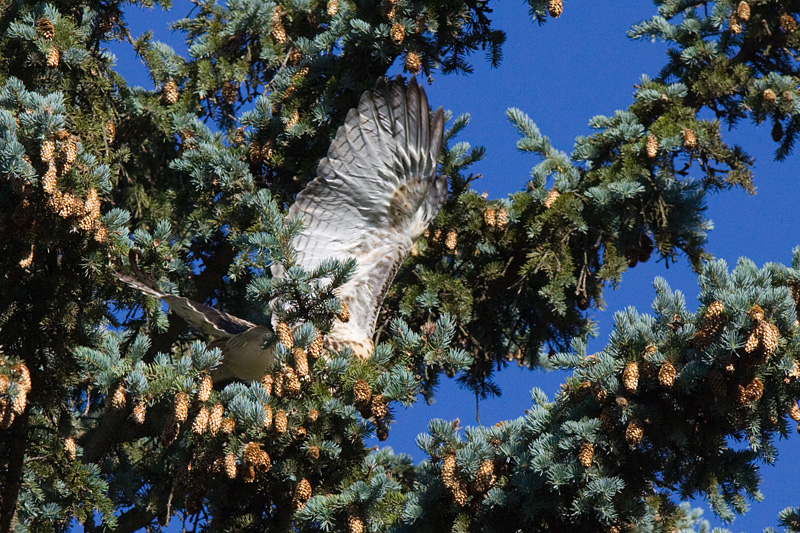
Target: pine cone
{"x": 607, "y": 419}
{"x": 53, "y": 57}
{"x": 769, "y": 335}
{"x": 743, "y": 11}
{"x": 586, "y": 454}
{"x": 599, "y": 393}
{"x": 312, "y": 416}
{"x": 344, "y": 314}
{"x": 666, "y": 375}
{"x": 354, "y": 523}
{"x": 361, "y": 393}
{"x": 22, "y": 376}
{"x": 181, "y": 412}
{"x": 630, "y": 376}
{"x": 46, "y": 28}
{"x": 794, "y": 411}
{"x": 110, "y": 129}
{"x": 139, "y": 412}
{"x": 552, "y": 196}
{"x": 267, "y": 416}
{"x": 284, "y": 334}
{"x": 313, "y": 453}
{"x": 316, "y": 348}
{"x": 47, "y": 151}
{"x": 291, "y": 384}
{"x": 769, "y": 96}
{"x": 634, "y": 433}
{"x": 449, "y": 471}
{"x": 5, "y": 381}
{"x": 788, "y": 24}
{"x": 689, "y": 139}
{"x": 205, "y": 388}
{"x": 266, "y": 382}
{"x": 302, "y": 493}
{"x": 460, "y": 495}
{"x": 484, "y": 478}
{"x": 100, "y": 234}
{"x": 300, "y": 433}
{"x": 70, "y": 449}
{"x": 381, "y": 430}
{"x": 118, "y": 399}
{"x": 252, "y": 453}
{"x": 277, "y": 385}
{"x": 281, "y": 421}
{"x": 397, "y": 33}
{"x": 713, "y": 319}
{"x": 379, "y": 407}
{"x": 263, "y": 462}
{"x": 489, "y": 216}
{"x": 215, "y": 418}
{"x": 229, "y": 93}
{"x": 787, "y": 95}
{"x": 733, "y": 24}
{"x": 555, "y": 8}
{"x": 301, "y": 363}
{"x": 230, "y": 466}
{"x": 412, "y": 63}
{"x": 451, "y": 241}
{"x": 228, "y": 426}
{"x": 502, "y": 219}
{"x": 169, "y": 93}
{"x": 6, "y": 414}
{"x": 754, "y": 390}
{"x": 777, "y": 131}
{"x": 106, "y": 23}
{"x": 752, "y": 342}
{"x": 389, "y": 9}
{"x": 170, "y": 432}
{"x": 651, "y": 146}
{"x": 333, "y": 7}
{"x": 50, "y": 179}
{"x": 278, "y": 32}
{"x": 200, "y": 423}
{"x": 248, "y": 473}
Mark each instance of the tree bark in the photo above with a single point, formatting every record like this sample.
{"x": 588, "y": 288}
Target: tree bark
{"x": 13, "y": 479}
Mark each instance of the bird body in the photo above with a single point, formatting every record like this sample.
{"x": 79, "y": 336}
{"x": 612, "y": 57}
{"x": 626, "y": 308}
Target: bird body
{"x": 374, "y": 195}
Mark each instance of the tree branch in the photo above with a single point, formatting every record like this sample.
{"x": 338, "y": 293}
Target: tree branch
{"x": 13, "y": 478}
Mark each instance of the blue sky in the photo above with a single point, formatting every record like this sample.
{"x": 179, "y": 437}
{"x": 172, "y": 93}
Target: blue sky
{"x": 562, "y": 74}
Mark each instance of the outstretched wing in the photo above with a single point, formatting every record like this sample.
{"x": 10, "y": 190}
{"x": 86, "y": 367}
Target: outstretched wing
{"x": 205, "y": 319}
{"x": 374, "y": 195}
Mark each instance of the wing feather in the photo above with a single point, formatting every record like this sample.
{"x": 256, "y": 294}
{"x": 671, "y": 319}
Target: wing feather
{"x": 374, "y": 195}
{"x": 203, "y": 318}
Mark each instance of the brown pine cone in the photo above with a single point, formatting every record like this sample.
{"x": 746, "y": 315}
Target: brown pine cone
{"x": 666, "y": 375}
{"x": 205, "y": 388}
{"x": 586, "y": 454}
{"x": 555, "y": 8}
{"x": 634, "y": 433}
{"x": 484, "y": 478}
{"x": 630, "y": 376}
{"x": 361, "y": 393}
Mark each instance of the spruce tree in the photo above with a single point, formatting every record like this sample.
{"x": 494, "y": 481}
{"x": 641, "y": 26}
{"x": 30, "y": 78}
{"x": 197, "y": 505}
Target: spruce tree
{"x": 108, "y": 415}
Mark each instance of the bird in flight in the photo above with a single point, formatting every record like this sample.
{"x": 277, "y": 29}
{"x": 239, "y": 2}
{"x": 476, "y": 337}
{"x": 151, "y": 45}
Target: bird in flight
{"x": 374, "y": 195}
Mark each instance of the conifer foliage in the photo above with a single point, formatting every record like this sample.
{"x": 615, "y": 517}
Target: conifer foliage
{"x": 109, "y": 416}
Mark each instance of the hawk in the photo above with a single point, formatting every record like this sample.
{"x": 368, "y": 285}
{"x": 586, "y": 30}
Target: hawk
{"x": 374, "y": 195}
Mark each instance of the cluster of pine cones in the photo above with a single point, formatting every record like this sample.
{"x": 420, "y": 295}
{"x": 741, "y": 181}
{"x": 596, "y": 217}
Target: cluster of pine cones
{"x": 15, "y": 384}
